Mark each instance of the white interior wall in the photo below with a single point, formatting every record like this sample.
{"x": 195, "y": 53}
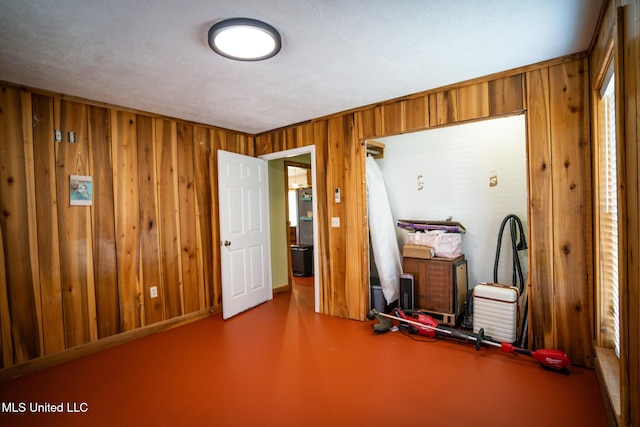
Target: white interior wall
{"x": 456, "y": 164}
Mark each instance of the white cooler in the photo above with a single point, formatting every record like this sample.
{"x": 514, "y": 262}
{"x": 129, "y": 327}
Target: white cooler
{"x": 495, "y": 309}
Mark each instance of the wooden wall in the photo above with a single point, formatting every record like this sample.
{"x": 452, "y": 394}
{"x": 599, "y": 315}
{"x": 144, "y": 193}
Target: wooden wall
{"x": 555, "y": 98}
{"x": 74, "y": 275}
{"x": 625, "y": 16}
{"x": 78, "y": 275}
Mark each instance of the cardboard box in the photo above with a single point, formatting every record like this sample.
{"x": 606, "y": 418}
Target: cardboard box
{"x": 418, "y": 251}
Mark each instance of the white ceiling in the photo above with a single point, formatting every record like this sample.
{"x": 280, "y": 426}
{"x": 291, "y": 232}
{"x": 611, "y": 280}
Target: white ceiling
{"x": 152, "y": 55}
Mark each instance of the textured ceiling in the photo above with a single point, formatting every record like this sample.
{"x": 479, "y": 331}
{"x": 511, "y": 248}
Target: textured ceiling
{"x": 336, "y": 55}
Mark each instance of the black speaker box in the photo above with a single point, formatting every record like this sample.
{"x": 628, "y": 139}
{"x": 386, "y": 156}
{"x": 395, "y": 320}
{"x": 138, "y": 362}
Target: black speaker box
{"x": 406, "y": 300}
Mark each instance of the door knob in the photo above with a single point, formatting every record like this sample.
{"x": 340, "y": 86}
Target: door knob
{"x": 227, "y": 243}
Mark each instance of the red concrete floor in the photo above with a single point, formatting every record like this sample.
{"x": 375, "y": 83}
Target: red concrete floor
{"x": 281, "y": 364}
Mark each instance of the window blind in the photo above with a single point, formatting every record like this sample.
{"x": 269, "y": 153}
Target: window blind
{"x": 608, "y": 227}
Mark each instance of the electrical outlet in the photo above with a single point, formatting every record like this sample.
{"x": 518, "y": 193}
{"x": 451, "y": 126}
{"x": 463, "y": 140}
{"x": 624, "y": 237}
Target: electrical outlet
{"x": 335, "y": 222}
{"x": 153, "y": 291}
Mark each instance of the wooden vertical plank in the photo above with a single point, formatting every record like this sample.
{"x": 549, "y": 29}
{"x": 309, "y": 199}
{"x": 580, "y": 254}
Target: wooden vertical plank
{"x": 322, "y": 193}
{"x": 232, "y": 143}
{"x": 32, "y": 220}
{"x": 417, "y": 113}
{"x": 378, "y": 120}
{"x": 124, "y": 152}
{"x": 393, "y": 117}
{"x": 204, "y": 212}
{"x": 187, "y": 205}
{"x": 305, "y": 133}
{"x": 505, "y": 95}
{"x": 433, "y": 109}
{"x": 250, "y": 144}
{"x": 338, "y": 305}
{"x": 473, "y": 101}
{"x": 73, "y": 225}
{"x": 168, "y": 214}
{"x": 217, "y": 143}
{"x": 541, "y": 243}
{"x": 291, "y": 138}
{"x": 46, "y": 201}
{"x": 150, "y": 273}
{"x": 263, "y": 144}
{"x": 355, "y": 226}
{"x": 14, "y": 222}
{"x": 572, "y": 209}
{"x": 277, "y": 142}
{"x": 367, "y": 123}
{"x": 104, "y": 242}
{"x": 447, "y": 107}
{"x": 6, "y": 346}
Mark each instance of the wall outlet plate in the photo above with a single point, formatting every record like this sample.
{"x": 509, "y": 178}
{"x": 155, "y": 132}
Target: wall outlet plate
{"x": 153, "y": 291}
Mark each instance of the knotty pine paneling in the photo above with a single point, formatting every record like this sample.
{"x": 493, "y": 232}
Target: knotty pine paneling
{"x": 443, "y": 107}
{"x": 206, "y": 218}
{"x": 344, "y": 286}
{"x": 6, "y": 346}
{"x": 355, "y": 222}
{"x": 506, "y": 95}
{"x": 393, "y": 117}
{"x": 367, "y": 122}
{"x": 187, "y": 206}
{"x": 571, "y": 150}
{"x": 473, "y": 101}
{"x": 168, "y": 214}
{"x": 74, "y": 225}
{"x": 47, "y": 214}
{"x": 126, "y": 207}
{"x": 104, "y": 247}
{"x": 554, "y": 299}
{"x": 541, "y": 245}
{"x": 335, "y": 160}
{"x": 71, "y": 276}
{"x": 323, "y": 194}
{"x": 416, "y": 115}
{"x": 150, "y": 272}
{"x": 21, "y": 337}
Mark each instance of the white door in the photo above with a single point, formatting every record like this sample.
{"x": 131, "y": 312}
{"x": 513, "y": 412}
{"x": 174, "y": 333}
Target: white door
{"x": 243, "y": 199}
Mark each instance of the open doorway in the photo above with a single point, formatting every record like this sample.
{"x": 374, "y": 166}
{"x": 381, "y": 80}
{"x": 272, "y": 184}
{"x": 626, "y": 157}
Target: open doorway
{"x": 300, "y": 217}
{"x": 281, "y": 233}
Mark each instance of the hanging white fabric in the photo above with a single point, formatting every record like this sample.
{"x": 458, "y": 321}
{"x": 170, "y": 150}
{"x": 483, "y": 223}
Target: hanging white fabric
{"x": 384, "y": 242}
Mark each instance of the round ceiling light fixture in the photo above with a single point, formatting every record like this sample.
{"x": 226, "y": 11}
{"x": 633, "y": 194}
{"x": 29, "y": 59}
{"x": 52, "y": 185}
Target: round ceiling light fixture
{"x": 244, "y": 39}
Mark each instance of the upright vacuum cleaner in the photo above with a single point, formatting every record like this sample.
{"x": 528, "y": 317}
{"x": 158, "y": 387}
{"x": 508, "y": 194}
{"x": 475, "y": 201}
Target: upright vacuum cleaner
{"x": 518, "y": 243}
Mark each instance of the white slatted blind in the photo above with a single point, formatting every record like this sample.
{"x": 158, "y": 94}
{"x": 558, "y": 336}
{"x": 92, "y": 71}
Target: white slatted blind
{"x": 608, "y": 226}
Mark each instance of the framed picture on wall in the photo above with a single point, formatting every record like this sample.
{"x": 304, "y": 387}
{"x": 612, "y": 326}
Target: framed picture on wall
{"x": 80, "y": 190}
